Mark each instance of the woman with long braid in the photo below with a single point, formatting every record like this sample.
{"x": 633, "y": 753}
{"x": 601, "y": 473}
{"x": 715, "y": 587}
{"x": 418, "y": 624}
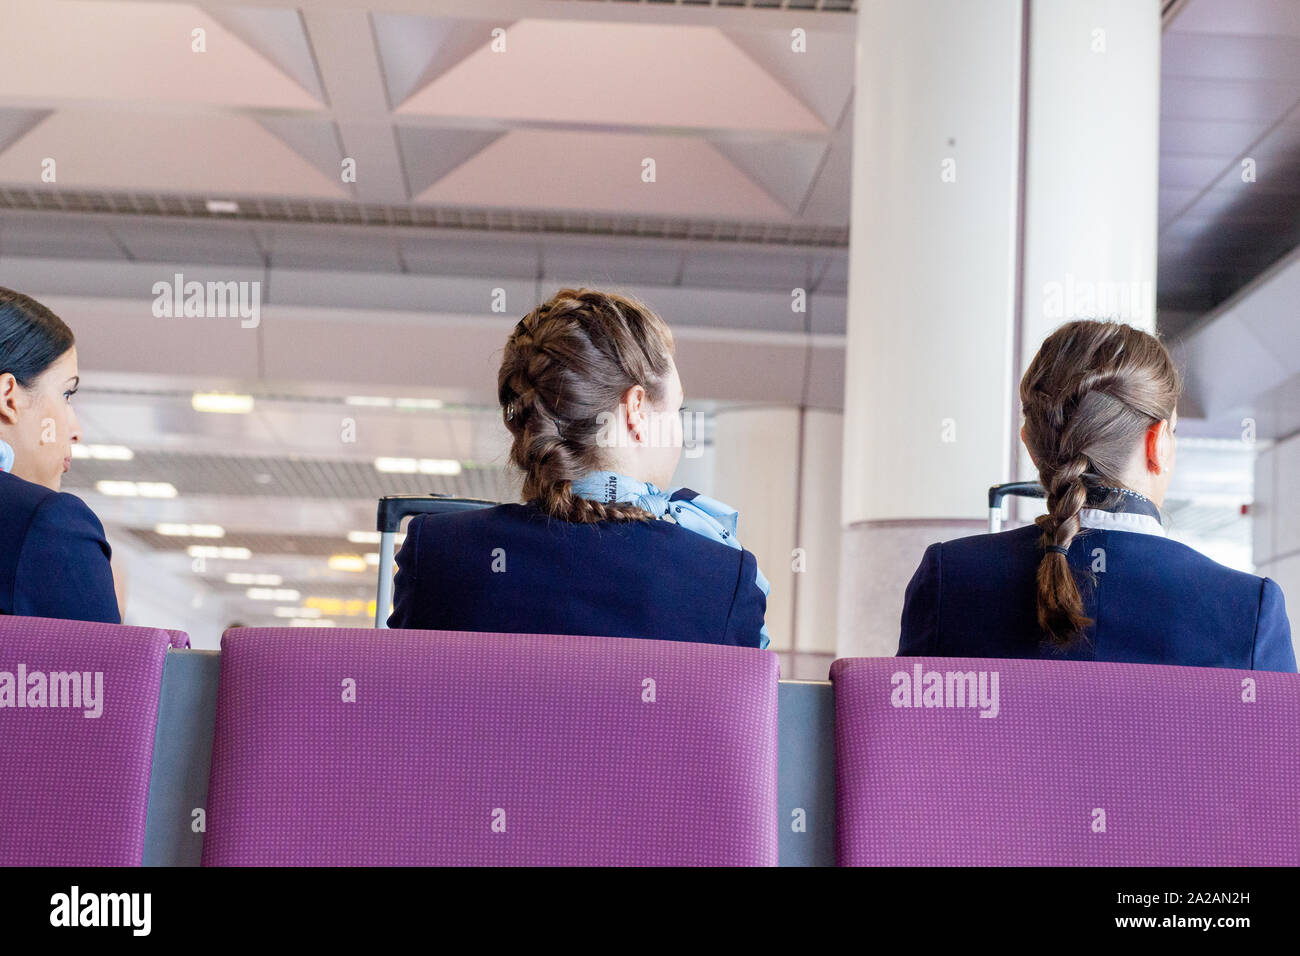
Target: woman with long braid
{"x": 1095, "y": 578}
{"x": 591, "y": 397}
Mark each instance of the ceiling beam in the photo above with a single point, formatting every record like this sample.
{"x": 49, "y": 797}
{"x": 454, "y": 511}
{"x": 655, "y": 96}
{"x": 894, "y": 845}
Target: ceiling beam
{"x": 347, "y": 60}
{"x": 730, "y": 17}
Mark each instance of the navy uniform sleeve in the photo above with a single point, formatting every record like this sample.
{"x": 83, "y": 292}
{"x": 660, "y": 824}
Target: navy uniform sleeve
{"x": 1273, "y": 649}
{"x": 63, "y": 569}
{"x": 405, "y": 586}
{"x": 748, "y": 606}
{"x": 919, "y": 636}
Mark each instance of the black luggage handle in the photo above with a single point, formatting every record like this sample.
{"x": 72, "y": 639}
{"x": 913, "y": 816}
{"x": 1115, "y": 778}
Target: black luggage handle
{"x": 1024, "y": 489}
{"x": 393, "y": 508}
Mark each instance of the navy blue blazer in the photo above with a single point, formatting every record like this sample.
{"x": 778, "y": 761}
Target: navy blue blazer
{"x": 1156, "y": 602}
{"x": 514, "y": 569}
{"x": 54, "y": 559}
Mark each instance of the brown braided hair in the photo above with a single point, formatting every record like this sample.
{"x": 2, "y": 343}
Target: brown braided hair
{"x": 1088, "y": 396}
{"x": 570, "y": 359}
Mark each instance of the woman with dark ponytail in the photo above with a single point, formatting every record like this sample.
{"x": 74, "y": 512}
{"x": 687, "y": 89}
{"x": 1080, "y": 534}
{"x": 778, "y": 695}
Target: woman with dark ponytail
{"x": 54, "y": 559}
{"x": 1095, "y": 578}
{"x": 591, "y": 397}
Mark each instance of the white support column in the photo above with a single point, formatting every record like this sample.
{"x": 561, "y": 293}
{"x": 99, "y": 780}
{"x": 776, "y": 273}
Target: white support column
{"x": 946, "y": 237}
{"x": 756, "y": 471}
{"x": 932, "y": 288}
{"x": 1092, "y": 165}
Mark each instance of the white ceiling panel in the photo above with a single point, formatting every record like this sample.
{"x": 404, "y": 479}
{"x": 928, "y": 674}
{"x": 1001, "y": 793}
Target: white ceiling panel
{"x": 317, "y": 248}
{"x": 502, "y": 80}
{"x": 471, "y": 256}
{"x": 28, "y": 236}
{"x": 164, "y": 241}
{"x": 618, "y": 264}
{"x": 574, "y": 171}
{"x": 76, "y": 51}
{"x": 222, "y": 156}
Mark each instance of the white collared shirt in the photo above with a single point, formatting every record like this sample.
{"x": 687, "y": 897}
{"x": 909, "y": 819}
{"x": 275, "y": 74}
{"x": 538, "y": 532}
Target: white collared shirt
{"x": 1120, "y": 521}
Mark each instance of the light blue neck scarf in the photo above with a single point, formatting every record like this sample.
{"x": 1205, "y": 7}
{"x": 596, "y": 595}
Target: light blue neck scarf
{"x": 701, "y": 514}
{"x": 6, "y": 456}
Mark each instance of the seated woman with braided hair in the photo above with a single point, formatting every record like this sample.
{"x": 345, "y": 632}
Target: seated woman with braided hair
{"x": 590, "y": 394}
{"x": 1095, "y": 578}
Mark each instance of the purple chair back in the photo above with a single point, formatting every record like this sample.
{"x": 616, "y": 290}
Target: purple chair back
{"x": 378, "y": 747}
{"x": 75, "y": 760}
{"x": 1077, "y": 764}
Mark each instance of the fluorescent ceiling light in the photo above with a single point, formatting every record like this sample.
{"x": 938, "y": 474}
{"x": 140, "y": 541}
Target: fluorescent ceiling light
{"x": 213, "y": 551}
{"x": 406, "y": 404}
{"x": 297, "y": 612}
{"x": 347, "y": 562}
{"x": 222, "y": 403}
{"x": 356, "y": 607}
{"x": 243, "y": 577}
{"x": 271, "y": 594}
{"x": 222, "y": 206}
{"x": 103, "y": 452}
{"x": 155, "y": 489}
{"x": 191, "y": 530}
{"x": 372, "y": 537}
{"x": 439, "y": 466}
{"x": 422, "y": 466}
{"x": 136, "y": 489}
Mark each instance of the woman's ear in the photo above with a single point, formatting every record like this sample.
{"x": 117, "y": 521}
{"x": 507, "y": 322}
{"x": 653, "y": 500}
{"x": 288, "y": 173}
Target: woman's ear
{"x": 635, "y": 401}
{"x": 1026, "y": 444}
{"x": 1157, "y": 447}
{"x": 8, "y": 399}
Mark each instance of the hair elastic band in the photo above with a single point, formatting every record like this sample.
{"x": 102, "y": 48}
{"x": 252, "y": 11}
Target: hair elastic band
{"x": 1058, "y": 549}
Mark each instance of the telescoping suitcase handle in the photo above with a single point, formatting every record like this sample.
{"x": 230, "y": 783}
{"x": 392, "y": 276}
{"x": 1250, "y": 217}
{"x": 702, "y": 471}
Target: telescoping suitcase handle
{"x": 1024, "y": 489}
{"x": 392, "y": 509}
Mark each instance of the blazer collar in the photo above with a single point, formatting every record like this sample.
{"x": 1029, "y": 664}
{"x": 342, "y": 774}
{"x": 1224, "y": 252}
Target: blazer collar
{"x": 1119, "y": 509}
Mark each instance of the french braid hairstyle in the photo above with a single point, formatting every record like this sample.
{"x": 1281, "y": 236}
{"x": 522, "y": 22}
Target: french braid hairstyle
{"x": 1088, "y": 396}
{"x": 566, "y": 362}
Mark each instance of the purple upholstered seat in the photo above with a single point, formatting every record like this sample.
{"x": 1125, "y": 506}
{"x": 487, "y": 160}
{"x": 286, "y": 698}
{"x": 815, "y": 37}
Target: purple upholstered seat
{"x": 1173, "y": 762}
{"x": 74, "y": 788}
{"x": 490, "y": 749}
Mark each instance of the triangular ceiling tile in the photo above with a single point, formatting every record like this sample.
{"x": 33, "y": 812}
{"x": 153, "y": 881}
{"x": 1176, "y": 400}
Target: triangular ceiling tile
{"x": 164, "y": 152}
{"x": 15, "y": 124}
{"x": 415, "y": 50}
{"x": 618, "y": 75}
{"x": 821, "y": 77}
{"x": 785, "y": 170}
{"x": 430, "y": 154}
{"x": 550, "y": 169}
{"x": 134, "y": 51}
{"x": 314, "y": 139}
{"x": 279, "y": 36}
{"x": 827, "y": 201}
